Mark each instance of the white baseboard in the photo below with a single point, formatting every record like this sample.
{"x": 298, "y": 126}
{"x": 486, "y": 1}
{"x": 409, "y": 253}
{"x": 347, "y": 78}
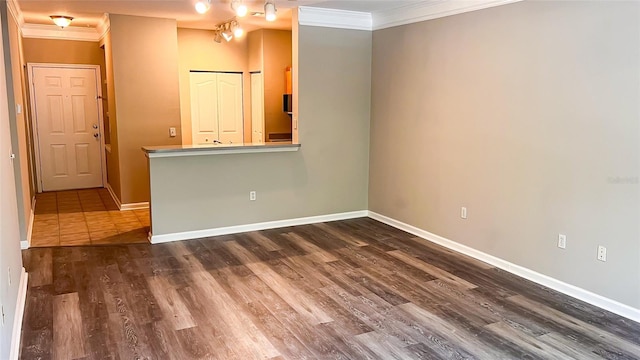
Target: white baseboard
{"x": 157, "y": 239}
{"x": 125, "y": 207}
{"x": 113, "y": 195}
{"x": 24, "y": 244}
{"x": 134, "y": 206}
{"x": 17, "y": 320}
{"x": 567, "y": 289}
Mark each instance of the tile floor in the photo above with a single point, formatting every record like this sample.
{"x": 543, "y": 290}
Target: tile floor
{"x": 85, "y": 217}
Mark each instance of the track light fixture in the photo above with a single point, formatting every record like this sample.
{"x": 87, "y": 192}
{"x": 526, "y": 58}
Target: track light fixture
{"x": 61, "y": 20}
{"x": 237, "y": 29}
{"x": 202, "y": 6}
{"x": 239, "y": 7}
{"x": 227, "y": 35}
{"x": 270, "y": 10}
{"x": 227, "y": 30}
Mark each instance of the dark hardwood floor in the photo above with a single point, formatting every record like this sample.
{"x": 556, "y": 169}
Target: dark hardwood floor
{"x": 355, "y": 289}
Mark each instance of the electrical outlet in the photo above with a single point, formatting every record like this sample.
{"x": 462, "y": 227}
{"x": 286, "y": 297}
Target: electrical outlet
{"x": 463, "y": 212}
{"x": 252, "y": 195}
{"x": 562, "y": 241}
{"x": 602, "y": 253}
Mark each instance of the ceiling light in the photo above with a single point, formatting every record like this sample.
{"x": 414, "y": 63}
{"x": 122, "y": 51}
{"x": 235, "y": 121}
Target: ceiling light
{"x": 61, "y": 20}
{"x": 270, "y": 10}
{"x": 227, "y": 35}
{"x": 239, "y": 7}
{"x": 202, "y": 6}
{"x": 237, "y": 30}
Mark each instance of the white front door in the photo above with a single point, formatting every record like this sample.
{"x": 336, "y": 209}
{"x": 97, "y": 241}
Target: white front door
{"x": 257, "y": 108}
{"x": 216, "y": 107}
{"x": 67, "y": 121}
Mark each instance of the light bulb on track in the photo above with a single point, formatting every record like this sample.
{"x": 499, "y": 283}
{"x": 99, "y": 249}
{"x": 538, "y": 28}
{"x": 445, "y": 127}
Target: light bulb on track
{"x": 270, "y": 11}
{"x": 202, "y": 6}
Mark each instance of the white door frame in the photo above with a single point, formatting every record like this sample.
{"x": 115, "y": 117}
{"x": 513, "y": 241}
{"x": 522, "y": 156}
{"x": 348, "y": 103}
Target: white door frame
{"x": 34, "y": 121}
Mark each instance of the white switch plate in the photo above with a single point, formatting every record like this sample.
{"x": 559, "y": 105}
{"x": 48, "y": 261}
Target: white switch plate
{"x": 463, "y": 212}
{"x": 18, "y": 109}
{"x": 562, "y": 241}
{"x": 602, "y": 253}
{"x": 172, "y": 132}
{"x": 252, "y": 195}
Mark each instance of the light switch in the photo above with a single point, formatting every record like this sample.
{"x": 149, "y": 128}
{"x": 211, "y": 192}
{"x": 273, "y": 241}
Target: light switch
{"x": 172, "y": 132}
{"x": 18, "y": 109}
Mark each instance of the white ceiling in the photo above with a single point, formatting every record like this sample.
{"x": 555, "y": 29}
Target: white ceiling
{"x": 88, "y": 13}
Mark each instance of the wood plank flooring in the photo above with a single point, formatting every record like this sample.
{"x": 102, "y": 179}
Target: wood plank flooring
{"x": 354, "y": 289}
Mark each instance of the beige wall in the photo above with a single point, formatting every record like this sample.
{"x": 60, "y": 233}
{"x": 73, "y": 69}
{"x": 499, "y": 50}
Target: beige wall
{"x": 277, "y": 57}
{"x": 21, "y": 143}
{"x": 9, "y": 233}
{"x": 255, "y": 45}
{"x": 62, "y": 51}
{"x": 144, "y": 54}
{"x": 113, "y": 159}
{"x": 198, "y": 51}
{"x": 527, "y": 114}
{"x": 323, "y": 177}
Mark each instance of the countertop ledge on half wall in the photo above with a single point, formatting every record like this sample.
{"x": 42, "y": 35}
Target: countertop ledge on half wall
{"x": 221, "y": 149}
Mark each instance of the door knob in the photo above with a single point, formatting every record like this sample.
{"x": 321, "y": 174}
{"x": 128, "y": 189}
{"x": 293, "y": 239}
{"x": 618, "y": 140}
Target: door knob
{"x": 95, "y": 135}
{"x": 95, "y": 126}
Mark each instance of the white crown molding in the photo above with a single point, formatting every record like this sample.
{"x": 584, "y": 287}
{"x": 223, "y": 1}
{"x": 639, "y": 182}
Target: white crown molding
{"x": 40, "y": 31}
{"x": 103, "y": 26}
{"x": 428, "y": 10}
{"x": 14, "y": 10}
{"x": 340, "y": 19}
{"x": 555, "y": 284}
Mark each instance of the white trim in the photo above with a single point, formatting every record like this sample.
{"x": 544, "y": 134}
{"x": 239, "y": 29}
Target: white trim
{"x": 17, "y": 320}
{"x": 113, "y": 195}
{"x": 333, "y": 18}
{"x": 103, "y": 27}
{"x": 34, "y": 120}
{"x": 567, "y": 289}
{"x": 77, "y": 33}
{"x": 428, "y": 10}
{"x": 158, "y": 239}
{"x": 134, "y": 206}
{"x": 24, "y": 244}
{"x": 14, "y": 10}
{"x": 200, "y": 150}
{"x": 125, "y": 207}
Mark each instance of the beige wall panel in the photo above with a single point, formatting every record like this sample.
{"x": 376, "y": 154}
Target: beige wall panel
{"x": 198, "y": 51}
{"x": 329, "y": 174}
{"x": 62, "y": 51}
{"x": 144, "y": 52}
{"x": 255, "y": 44}
{"x": 24, "y": 189}
{"x": 277, "y": 56}
{"x": 527, "y": 114}
{"x": 113, "y": 161}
